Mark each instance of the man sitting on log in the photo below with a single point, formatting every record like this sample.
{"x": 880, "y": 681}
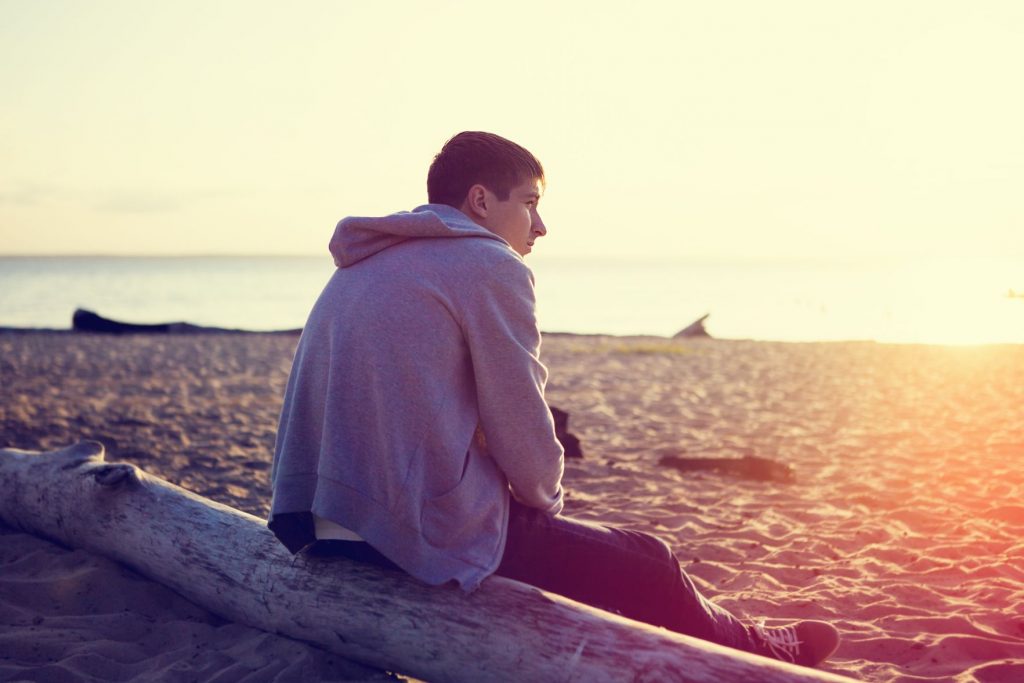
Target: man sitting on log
{"x": 415, "y": 433}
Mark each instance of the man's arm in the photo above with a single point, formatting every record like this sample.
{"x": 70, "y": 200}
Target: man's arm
{"x": 500, "y": 325}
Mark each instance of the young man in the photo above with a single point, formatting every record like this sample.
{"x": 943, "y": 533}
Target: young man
{"x": 415, "y": 434}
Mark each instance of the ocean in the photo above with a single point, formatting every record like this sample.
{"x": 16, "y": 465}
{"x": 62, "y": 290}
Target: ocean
{"x": 961, "y": 302}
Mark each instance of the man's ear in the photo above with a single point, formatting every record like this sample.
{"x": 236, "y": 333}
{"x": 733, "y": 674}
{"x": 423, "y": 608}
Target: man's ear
{"x": 476, "y": 202}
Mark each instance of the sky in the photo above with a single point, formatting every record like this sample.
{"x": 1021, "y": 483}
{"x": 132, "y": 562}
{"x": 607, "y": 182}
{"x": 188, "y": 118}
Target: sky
{"x": 732, "y": 131}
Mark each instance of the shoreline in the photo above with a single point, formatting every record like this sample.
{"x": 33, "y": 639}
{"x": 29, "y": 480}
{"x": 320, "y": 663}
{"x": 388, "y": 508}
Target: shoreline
{"x": 14, "y": 330}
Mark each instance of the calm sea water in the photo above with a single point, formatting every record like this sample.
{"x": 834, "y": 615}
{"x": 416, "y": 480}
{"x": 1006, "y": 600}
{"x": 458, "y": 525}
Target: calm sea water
{"x": 924, "y": 302}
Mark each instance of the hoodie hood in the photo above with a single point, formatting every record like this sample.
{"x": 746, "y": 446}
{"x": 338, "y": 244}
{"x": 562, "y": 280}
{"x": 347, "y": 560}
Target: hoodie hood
{"x": 357, "y": 238}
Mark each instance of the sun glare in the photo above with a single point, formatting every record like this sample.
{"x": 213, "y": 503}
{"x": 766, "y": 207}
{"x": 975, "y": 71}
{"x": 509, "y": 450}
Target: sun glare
{"x": 962, "y": 302}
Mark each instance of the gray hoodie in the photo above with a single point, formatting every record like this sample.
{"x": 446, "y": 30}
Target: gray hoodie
{"x": 416, "y": 399}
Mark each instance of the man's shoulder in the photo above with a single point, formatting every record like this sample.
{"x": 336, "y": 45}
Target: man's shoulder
{"x": 471, "y": 255}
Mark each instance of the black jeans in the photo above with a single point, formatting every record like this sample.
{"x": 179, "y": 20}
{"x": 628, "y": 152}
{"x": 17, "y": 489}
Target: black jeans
{"x": 619, "y": 570}
{"x": 628, "y": 572}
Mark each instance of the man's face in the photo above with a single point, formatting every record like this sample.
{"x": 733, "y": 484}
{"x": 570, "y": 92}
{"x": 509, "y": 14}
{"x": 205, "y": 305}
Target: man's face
{"x": 516, "y": 219}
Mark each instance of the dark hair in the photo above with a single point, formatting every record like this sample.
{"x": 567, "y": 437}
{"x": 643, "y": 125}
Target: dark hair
{"x": 473, "y": 157}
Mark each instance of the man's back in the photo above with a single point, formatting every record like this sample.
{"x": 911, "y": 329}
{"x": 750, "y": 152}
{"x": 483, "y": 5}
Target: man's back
{"x": 415, "y": 349}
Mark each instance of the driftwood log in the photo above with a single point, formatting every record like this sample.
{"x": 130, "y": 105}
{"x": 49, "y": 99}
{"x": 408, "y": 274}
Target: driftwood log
{"x": 694, "y": 329}
{"x": 747, "y": 467}
{"x": 83, "y": 320}
{"x": 229, "y": 563}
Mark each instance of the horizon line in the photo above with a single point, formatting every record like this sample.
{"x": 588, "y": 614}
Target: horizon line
{"x": 696, "y": 259}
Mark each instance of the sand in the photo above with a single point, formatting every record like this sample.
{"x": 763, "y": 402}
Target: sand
{"x": 904, "y": 526}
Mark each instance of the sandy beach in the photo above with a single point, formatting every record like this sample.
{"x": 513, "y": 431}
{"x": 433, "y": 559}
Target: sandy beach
{"x": 903, "y": 524}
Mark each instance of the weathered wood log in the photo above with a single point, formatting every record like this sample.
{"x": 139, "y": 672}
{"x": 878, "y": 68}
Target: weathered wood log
{"x": 228, "y": 562}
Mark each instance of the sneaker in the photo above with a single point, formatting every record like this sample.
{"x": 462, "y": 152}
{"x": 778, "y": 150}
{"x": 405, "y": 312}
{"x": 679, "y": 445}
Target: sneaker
{"x": 807, "y": 643}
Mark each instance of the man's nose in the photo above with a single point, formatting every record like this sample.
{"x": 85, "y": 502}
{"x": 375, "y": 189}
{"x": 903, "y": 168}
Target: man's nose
{"x": 538, "y": 226}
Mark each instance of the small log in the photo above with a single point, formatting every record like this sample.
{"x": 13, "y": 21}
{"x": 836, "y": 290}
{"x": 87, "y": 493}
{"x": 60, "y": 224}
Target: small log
{"x": 229, "y": 563}
{"x": 694, "y": 329}
{"x": 747, "y": 467}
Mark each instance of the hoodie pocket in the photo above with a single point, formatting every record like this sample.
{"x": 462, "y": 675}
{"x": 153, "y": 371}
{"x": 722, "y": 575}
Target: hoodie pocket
{"x": 471, "y": 512}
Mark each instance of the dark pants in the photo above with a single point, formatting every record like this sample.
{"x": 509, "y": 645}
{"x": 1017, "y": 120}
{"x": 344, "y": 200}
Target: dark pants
{"x": 629, "y": 572}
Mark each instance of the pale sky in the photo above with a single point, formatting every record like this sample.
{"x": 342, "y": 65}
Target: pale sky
{"x": 691, "y": 130}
